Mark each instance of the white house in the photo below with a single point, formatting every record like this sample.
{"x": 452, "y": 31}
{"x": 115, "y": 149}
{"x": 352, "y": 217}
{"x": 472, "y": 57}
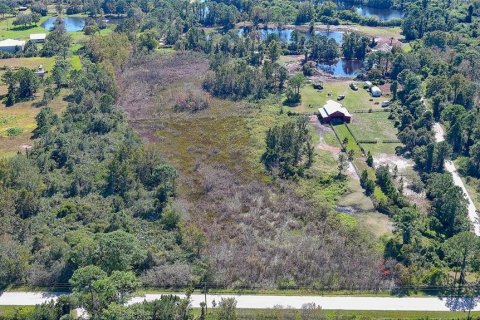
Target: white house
{"x": 375, "y": 91}
{"x": 38, "y": 37}
{"x": 11, "y": 45}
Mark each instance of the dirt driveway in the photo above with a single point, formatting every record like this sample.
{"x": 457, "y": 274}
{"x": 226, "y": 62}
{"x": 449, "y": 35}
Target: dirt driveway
{"x": 321, "y": 130}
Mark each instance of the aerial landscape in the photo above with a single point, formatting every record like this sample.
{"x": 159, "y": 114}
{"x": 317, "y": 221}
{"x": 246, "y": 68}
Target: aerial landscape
{"x": 239, "y": 159}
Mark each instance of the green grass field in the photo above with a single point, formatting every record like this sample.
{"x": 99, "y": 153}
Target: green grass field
{"x": 354, "y": 100}
{"x": 22, "y": 116}
{"x": 374, "y": 126}
{"x": 11, "y": 311}
{"x": 394, "y": 32}
{"x": 342, "y": 132}
{"x": 75, "y": 62}
{"x": 9, "y": 31}
{"x": 273, "y": 314}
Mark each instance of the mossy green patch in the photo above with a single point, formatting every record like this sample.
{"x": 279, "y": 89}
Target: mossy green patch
{"x": 76, "y": 62}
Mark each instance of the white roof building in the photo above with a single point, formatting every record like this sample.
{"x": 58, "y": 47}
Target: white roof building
{"x": 376, "y": 92}
{"x": 11, "y": 45}
{"x": 334, "y": 110}
{"x": 38, "y": 37}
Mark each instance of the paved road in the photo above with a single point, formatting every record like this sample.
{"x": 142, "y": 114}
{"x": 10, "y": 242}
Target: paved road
{"x": 265, "y": 302}
{"x": 450, "y": 167}
{"x": 26, "y": 298}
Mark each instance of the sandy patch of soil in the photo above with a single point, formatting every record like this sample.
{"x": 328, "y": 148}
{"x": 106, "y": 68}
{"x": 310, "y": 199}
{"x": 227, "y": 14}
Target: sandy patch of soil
{"x": 392, "y": 160}
{"x": 321, "y": 130}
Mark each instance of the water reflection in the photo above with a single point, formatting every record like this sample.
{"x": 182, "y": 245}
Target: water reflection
{"x": 72, "y": 24}
{"x": 341, "y": 67}
{"x": 381, "y": 14}
{"x": 286, "y": 34}
{"x": 365, "y": 11}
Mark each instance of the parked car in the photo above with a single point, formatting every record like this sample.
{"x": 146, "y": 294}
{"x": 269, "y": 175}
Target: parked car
{"x": 318, "y": 85}
{"x": 340, "y": 97}
{"x": 386, "y": 103}
{"x": 353, "y": 86}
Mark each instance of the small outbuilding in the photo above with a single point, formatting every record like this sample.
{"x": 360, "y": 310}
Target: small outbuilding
{"x": 38, "y": 37}
{"x": 375, "y": 91}
{"x": 11, "y": 45}
{"x": 333, "y": 111}
{"x": 40, "y": 71}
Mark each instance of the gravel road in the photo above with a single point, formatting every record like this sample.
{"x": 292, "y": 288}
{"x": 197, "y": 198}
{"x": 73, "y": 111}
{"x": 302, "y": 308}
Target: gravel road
{"x": 450, "y": 167}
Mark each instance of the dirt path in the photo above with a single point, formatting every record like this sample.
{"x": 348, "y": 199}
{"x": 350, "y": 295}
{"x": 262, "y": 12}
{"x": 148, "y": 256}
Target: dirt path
{"x": 322, "y": 145}
{"x": 457, "y": 180}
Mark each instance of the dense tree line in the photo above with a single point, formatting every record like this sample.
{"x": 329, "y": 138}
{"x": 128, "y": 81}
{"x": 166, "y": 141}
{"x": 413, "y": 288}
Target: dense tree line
{"x": 354, "y": 45}
{"x": 289, "y": 150}
{"x": 98, "y": 187}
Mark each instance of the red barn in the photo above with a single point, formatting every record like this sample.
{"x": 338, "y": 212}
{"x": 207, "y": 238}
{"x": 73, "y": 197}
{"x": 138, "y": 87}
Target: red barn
{"x": 333, "y": 111}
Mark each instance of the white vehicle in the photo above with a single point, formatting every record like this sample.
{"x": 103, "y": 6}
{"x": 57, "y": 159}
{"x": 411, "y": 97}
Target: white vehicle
{"x": 386, "y": 103}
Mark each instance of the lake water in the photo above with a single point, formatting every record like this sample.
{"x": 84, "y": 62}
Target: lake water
{"x": 72, "y": 24}
{"x": 341, "y": 67}
{"x": 381, "y": 14}
{"x": 286, "y": 34}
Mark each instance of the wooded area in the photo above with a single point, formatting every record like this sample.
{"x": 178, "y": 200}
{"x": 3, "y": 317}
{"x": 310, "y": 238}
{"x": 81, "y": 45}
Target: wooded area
{"x": 179, "y": 160}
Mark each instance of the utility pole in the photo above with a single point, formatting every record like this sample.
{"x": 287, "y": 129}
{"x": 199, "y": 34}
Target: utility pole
{"x": 205, "y": 291}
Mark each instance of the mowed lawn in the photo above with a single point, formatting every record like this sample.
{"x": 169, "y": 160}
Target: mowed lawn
{"x": 342, "y": 132}
{"x": 374, "y": 126}
{"x": 313, "y": 99}
{"x": 9, "y": 31}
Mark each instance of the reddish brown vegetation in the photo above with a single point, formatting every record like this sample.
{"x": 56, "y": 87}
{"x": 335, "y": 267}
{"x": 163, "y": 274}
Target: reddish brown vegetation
{"x": 149, "y": 86}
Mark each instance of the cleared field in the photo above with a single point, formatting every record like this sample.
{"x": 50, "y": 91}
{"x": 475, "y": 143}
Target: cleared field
{"x": 8, "y": 30}
{"x": 376, "y": 127}
{"x": 363, "y": 211}
{"x": 32, "y": 62}
{"x": 394, "y": 32}
{"x": 313, "y": 99}
{"x": 18, "y": 122}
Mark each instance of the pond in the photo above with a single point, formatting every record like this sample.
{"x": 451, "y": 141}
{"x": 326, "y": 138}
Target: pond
{"x": 286, "y": 34}
{"x": 380, "y": 13}
{"x": 72, "y": 24}
{"x": 341, "y": 68}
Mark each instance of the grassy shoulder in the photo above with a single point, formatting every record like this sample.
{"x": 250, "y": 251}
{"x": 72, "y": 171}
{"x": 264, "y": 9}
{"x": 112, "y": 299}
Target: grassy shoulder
{"x": 11, "y": 311}
{"x": 261, "y": 314}
{"x": 286, "y": 292}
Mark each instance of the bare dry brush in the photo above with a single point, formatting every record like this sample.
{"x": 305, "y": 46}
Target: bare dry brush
{"x": 267, "y": 236}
